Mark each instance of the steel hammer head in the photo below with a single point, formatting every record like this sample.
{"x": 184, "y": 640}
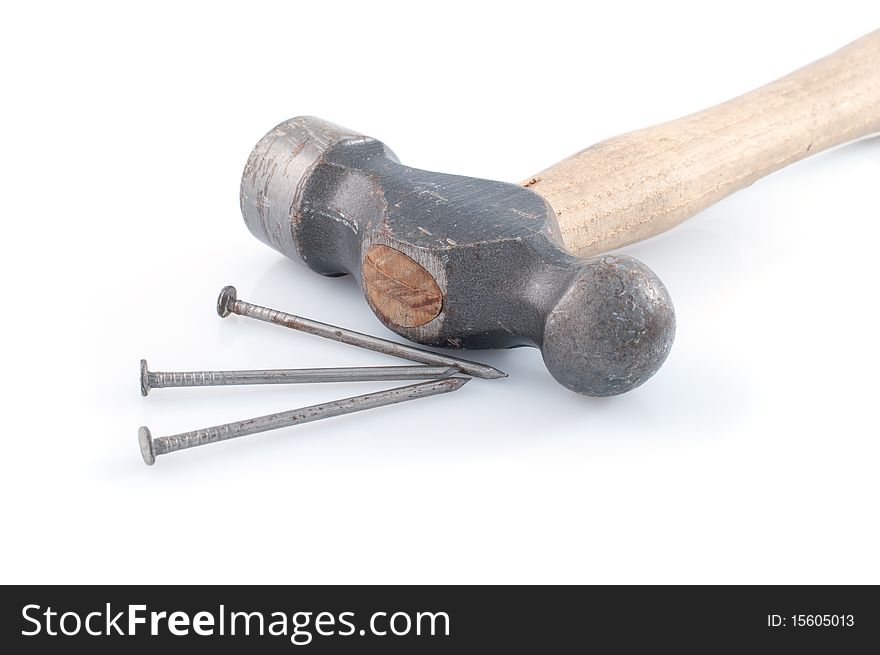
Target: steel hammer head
{"x": 453, "y": 261}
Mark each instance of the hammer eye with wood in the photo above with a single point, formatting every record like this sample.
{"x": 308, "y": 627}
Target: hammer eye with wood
{"x": 461, "y": 262}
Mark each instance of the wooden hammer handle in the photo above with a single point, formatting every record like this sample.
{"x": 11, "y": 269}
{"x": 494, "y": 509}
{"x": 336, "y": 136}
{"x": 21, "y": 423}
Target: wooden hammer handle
{"x": 634, "y": 186}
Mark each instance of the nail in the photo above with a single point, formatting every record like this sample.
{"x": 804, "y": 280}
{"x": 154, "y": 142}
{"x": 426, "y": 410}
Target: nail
{"x": 151, "y": 448}
{"x": 161, "y": 379}
{"x": 228, "y": 303}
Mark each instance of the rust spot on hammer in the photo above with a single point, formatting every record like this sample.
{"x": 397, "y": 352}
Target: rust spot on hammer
{"x": 401, "y": 291}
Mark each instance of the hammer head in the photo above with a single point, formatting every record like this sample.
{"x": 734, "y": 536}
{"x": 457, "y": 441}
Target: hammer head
{"x": 453, "y": 261}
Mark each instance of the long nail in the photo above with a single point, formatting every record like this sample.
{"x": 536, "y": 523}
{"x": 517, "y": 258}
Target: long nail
{"x": 151, "y": 448}
{"x": 228, "y": 303}
{"x": 161, "y": 379}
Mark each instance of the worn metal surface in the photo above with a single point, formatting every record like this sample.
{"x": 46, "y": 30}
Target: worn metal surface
{"x": 228, "y": 303}
{"x": 322, "y": 193}
{"x": 151, "y": 447}
{"x": 165, "y": 379}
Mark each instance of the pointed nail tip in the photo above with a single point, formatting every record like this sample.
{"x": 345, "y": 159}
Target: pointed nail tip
{"x": 456, "y": 383}
{"x": 492, "y": 374}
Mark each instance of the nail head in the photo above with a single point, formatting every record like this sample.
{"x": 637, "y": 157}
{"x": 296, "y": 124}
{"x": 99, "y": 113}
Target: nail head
{"x": 228, "y": 295}
{"x": 145, "y": 378}
{"x": 145, "y": 440}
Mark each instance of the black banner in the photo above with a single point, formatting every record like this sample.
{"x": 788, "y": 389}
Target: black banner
{"x": 288, "y": 619}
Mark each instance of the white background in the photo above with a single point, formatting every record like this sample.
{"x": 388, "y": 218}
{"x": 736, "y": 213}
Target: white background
{"x": 750, "y": 457}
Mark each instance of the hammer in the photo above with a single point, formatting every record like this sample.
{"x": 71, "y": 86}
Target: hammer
{"x": 462, "y": 262}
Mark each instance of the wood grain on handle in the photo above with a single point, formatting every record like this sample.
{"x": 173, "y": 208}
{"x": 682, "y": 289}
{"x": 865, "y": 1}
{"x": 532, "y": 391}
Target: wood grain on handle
{"x": 634, "y": 186}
